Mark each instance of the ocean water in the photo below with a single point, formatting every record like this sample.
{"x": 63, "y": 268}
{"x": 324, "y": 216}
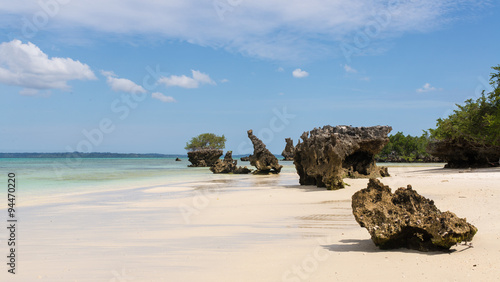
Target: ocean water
{"x": 37, "y": 176}
{"x": 61, "y": 175}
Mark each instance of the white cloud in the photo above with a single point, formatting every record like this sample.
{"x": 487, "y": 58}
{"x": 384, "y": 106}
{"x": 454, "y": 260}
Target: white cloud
{"x": 279, "y": 29}
{"x": 27, "y": 66}
{"x": 163, "y": 98}
{"x": 298, "y": 73}
{"x": 187, "y": 82}
{"x": 225, "y": 80}
{"x": 427, "y": 88}
{"x": 122, "y": 84}
{"x": 349, "y": 69}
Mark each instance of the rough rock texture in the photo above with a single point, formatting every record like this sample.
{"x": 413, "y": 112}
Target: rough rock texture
{"x": 245, "y": 159}
{"x": 407, "y": 220}
{"x": 329, "y": 154}
{"x": 289, "y": 150}
{"x": 204, "y": 157}
{"x": 228, "y": 165}
{"x": 262, "y": 159}
{"x": 465, "y": 154}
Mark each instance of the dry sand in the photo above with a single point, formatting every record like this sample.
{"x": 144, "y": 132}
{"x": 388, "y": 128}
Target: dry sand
{"x": 249, "y": 228}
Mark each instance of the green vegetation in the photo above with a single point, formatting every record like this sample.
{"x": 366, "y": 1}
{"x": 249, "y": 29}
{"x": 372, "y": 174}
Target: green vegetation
{"x": 403, "y": 148}
{"x": 477, "y": 122}
{"x": 206, "y": 141}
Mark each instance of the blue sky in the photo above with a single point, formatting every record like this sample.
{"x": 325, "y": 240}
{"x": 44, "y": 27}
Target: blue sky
{"x": 146, "y": 76}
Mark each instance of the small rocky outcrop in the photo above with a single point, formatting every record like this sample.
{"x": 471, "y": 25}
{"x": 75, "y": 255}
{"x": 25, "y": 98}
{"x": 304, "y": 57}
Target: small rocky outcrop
{"x": 289, "y": 150}
{"x": 177, "y": 160}
{"x": 405, "y": 219}
{"x": 245, "y": 159}
{"x": 204, "y": 157}
{"x": 329, "y": 154}
{"x": 465, "y": 154}
{"x": 262, "y": 159}
{"x": 228, "y": 165}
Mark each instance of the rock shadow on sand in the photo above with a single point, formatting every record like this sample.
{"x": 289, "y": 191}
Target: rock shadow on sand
{"x": 367, "y": 246}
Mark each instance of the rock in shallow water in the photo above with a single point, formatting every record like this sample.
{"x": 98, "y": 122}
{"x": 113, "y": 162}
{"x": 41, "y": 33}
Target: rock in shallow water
{"x": 327, "y": 155}
{"x": 406, "y": 219}
{"x": 289, "y": 150}
{"x": 228, "y": 165}
{"x": 262, "y": 159}
{"x": 204, "y": 157}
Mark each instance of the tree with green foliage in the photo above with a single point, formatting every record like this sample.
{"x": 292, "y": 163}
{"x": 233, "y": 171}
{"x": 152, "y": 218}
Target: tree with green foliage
{"x": 405, "y": 148}
{"x": 477, "y": 122}
{"x": 206, "y": 141}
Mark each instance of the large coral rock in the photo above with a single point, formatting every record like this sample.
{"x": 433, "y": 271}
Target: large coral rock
{"x": 465, "y": 154}
{"x": 405, "y": 219}
{"x": 329, "y": 154}
{"x": 289, "y": 150}
{"x": 204, "y": 157}
{"x": 262, "y": 159}
{"x": 228, "y": 165}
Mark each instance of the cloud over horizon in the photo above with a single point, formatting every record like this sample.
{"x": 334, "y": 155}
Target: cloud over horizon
{"x": 27, "y": 66}
{"x": 277, "y": 30}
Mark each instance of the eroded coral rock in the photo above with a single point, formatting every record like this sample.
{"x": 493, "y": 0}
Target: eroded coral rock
{"x": 406, "y": 219}
{"x": 465, "y": 154}
{"x": 204, "y": 157}
{"x": 327, "y": 155}
{"x": 262, "y": 159}
{"x": 289, "y": 150}
{"x": 228, "y": 165}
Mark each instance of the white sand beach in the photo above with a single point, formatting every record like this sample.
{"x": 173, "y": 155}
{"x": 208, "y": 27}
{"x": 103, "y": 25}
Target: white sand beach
{"x": 249, "y": 228}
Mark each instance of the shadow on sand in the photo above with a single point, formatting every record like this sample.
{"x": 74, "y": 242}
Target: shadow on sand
{"x": 367, "y": 246}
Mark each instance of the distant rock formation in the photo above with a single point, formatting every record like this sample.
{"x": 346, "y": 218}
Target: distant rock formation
{"x": 407, "y": 220}
{"x": 245, "y": 159}
{"x": 289, "y": 150}
{"x": 465, "y": 154}
{"x": 329, "y": 154}
{"x": 262, "y": 159}
{"x": 228, "y": 165}
{"x": 177, "y": 160}
{"x": 204, "y": 157}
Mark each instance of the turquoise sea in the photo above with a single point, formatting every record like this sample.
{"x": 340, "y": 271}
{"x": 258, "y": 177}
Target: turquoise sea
{"x": 64, "y": 175}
